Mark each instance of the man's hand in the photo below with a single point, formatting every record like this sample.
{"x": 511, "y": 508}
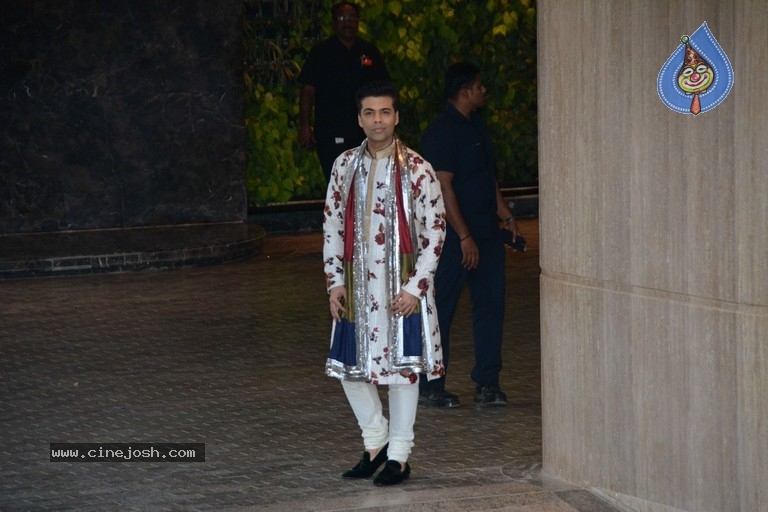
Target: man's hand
{"x": 512, "y": 228}
{"x": 470, "y": 254}
{"x": 306, "y": 137}
{"x": 403, "y": 304}
{"x": 338, "y": 298}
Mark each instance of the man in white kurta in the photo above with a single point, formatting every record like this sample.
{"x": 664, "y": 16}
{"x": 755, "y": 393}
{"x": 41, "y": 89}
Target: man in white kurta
{"x": 384, "y": 225}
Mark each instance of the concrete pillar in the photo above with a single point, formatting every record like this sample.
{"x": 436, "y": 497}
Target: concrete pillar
{"x": 654, "y": 257}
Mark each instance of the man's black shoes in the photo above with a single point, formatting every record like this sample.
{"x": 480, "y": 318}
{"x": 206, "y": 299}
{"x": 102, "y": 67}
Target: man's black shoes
{"x": 367, "y": 467}
{"x": 490, "y": 396}
{"x": 485, "y": 395}
{"x": 392, "y": 474}
{"x": 438, "y": 399}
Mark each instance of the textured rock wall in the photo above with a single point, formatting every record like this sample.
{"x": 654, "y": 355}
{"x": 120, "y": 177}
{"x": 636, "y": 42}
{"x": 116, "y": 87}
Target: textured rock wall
{"x": 120, "y": 114}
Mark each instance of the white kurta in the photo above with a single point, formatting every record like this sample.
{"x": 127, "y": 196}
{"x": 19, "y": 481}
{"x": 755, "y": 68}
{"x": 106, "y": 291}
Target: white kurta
{"x": 428, "y": 215}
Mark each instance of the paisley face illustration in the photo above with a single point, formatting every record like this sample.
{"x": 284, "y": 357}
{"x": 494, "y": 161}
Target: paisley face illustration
{"x": 695, "y": 78}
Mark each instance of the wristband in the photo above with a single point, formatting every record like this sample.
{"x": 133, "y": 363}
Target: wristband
{"x": 462, "y": 239}
{"x": 508, "y": 220}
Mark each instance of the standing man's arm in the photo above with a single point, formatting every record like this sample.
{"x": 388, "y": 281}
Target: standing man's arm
{"x": 428, "y": 219}
{"x": 469, "y": 251}
{"x": 505, "y": 214}
{"x": 306, "y": 103}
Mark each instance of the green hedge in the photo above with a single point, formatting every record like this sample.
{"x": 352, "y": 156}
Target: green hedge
{"x": 420, "y": 39}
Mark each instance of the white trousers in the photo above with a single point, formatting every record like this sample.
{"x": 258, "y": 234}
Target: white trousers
{"x": 403, "y": 399}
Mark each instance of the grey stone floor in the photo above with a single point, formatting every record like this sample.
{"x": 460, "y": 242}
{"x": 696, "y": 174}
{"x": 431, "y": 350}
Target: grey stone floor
{"x": 232, "y": 356}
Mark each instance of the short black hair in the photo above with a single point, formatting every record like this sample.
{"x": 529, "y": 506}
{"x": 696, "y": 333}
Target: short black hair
{"x": 376, "y": 89}
{"x": 337, "y": 7}
{"x": 459, "y": 76}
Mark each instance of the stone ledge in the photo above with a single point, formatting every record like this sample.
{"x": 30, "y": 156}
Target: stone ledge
{"x": 307, "y": 216}
{"x": 126, "y": 250}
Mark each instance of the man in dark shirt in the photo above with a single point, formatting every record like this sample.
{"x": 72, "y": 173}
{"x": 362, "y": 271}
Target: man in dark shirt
{"x": 333, "y": 72}
{"x": 459, "y": 147}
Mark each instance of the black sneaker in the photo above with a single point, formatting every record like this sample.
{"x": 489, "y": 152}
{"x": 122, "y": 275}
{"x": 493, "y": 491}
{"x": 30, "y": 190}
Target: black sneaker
{"x": 491, "y": 396}
{"x": 439, "y": 399}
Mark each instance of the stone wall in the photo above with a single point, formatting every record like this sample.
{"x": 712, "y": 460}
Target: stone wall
{"x": 120, "y": 114}
{"x": 654, "y": 257}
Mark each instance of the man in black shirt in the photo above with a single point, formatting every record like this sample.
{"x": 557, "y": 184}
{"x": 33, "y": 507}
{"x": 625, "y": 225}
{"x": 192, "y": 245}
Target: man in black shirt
{"x": 333, "y": 72}
{"x": 458, "y": 145}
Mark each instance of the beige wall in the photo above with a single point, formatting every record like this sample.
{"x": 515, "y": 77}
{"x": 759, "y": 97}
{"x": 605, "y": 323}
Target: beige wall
{"x": 654, "y": 256}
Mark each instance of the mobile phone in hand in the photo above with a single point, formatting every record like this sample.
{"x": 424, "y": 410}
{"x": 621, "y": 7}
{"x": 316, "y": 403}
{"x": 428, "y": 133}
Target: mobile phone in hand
{"x": 517, "y": 244}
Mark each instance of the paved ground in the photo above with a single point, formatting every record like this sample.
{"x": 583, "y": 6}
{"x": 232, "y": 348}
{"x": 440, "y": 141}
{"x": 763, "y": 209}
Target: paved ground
{"x": 232, "y": 356}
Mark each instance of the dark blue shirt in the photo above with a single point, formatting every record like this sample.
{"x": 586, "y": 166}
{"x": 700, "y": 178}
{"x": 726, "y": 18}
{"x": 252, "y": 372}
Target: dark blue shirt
{"x": 463, "y": 147}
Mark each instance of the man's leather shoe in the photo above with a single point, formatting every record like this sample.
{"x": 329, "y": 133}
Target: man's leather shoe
{"x": 366, "y": 467}
{"x": 490, "y": 396}
{"x": 439, "y": 399}
{"x": 392, "y": 473}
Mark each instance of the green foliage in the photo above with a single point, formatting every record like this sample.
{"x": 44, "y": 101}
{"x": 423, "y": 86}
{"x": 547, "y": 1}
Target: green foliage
{"x": 419, "y": 39}
{"x": 278, "y": 169}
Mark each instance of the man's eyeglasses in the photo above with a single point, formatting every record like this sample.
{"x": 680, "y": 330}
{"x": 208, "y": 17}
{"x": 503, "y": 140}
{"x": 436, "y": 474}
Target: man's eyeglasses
{"x": 351, "y": 17}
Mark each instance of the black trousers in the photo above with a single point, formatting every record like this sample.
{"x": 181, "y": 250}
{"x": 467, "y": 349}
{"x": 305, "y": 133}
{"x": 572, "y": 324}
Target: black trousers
{"x": 328, "y": 149}
{"x": 487, "y": 291}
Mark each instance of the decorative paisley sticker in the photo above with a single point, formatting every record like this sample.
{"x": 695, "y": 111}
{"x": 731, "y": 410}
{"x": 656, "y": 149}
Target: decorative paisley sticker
{"x": 697, "y": 76}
